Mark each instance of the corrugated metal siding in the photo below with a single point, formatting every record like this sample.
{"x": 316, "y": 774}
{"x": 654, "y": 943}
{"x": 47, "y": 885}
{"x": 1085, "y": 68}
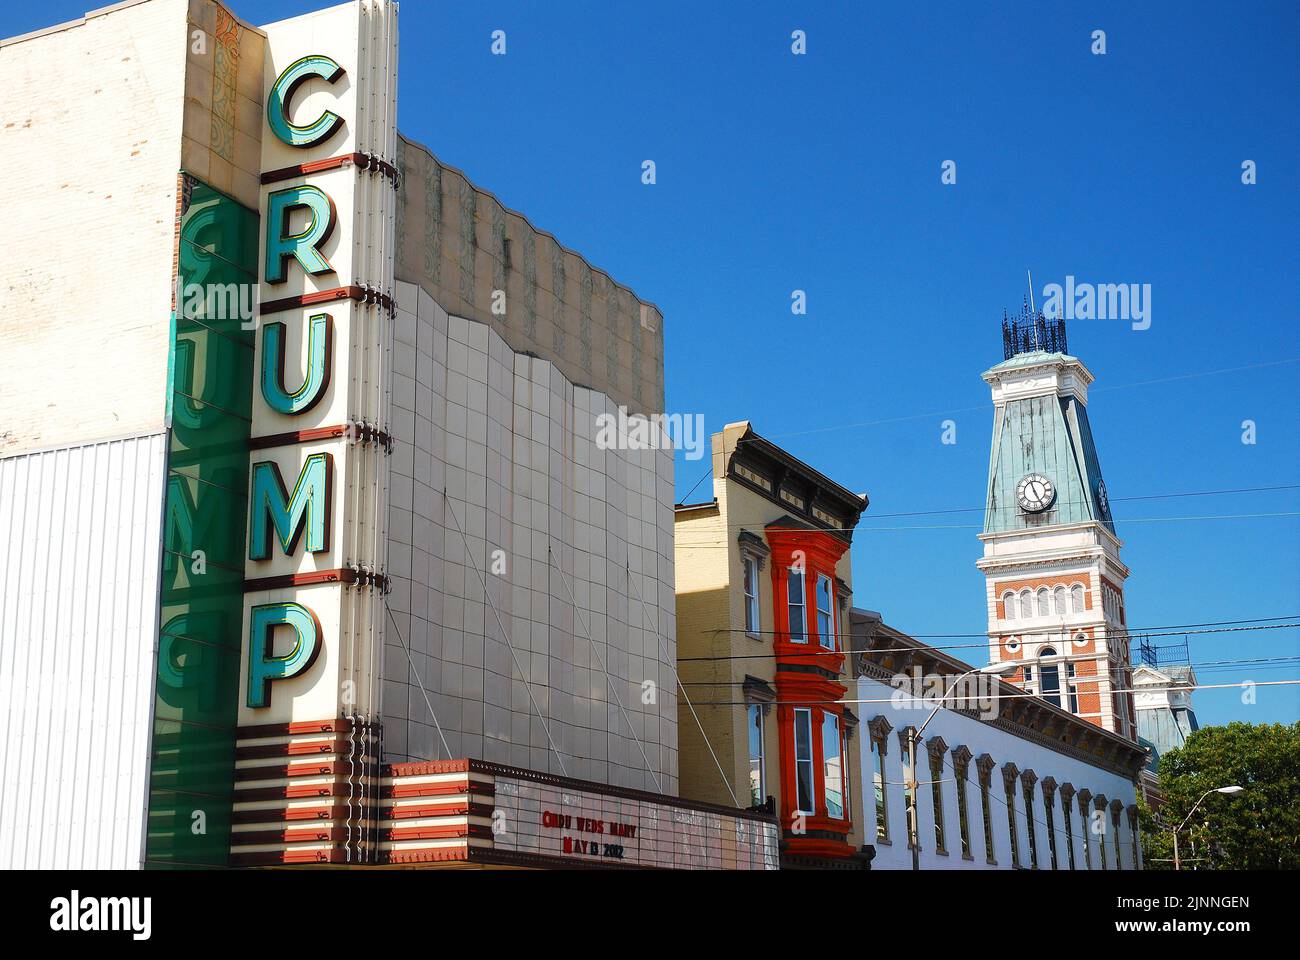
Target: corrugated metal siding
{"x": 79, "y": 560}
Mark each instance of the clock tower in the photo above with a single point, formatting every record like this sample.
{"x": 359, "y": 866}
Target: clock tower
{"x": 1054, "y": 578}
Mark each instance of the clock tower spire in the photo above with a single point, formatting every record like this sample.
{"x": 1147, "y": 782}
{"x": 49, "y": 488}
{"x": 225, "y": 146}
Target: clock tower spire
{"x": 1054, "y": 579}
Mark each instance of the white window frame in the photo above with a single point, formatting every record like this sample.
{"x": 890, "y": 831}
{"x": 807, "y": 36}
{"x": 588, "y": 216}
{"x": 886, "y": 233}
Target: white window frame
{"x": 752, "y": 710}
{"x": 806, "y": 713}
{"x": 826, "y": 641}
{"x": 753, "y": 621}
{"x": 839, "y": 748}
{"x": 879, "y": 805}
{"x": 802, "y": 636}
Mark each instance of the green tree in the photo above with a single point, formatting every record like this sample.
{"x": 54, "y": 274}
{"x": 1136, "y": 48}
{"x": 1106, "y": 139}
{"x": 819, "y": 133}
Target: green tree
{"x": 1257, "y": 829}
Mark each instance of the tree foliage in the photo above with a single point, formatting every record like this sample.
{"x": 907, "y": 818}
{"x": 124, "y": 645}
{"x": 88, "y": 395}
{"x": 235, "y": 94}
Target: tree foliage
{"x": 1257, "y": 829}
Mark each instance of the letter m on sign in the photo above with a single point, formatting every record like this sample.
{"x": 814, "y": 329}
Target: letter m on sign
{"x": 272, "y": 511}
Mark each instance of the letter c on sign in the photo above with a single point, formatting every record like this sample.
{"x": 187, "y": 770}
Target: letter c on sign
{"x": 280, "y": 100}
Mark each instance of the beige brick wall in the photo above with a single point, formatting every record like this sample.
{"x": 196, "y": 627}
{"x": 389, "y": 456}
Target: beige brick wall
{"x": 94, "y": 110}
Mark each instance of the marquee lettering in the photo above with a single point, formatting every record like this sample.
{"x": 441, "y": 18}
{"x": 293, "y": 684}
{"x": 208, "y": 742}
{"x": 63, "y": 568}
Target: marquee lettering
{"x": 279, "y": 102}
{"x": 320, "y": 350}
{"x": 264, "y": 668}
{"x": 305, "y": 246}
{"x": 273, "y": 510}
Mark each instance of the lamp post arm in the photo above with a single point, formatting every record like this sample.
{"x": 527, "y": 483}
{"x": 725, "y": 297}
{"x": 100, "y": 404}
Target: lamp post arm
{"x": 939, "y": 705}
{"x": 1193, "y": 810}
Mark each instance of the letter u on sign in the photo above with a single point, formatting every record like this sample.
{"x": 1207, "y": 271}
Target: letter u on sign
{"x": 320, "y": 348}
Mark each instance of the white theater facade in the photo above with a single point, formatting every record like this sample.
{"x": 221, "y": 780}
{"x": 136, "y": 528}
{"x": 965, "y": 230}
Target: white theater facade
{"x": 336, "y": 573}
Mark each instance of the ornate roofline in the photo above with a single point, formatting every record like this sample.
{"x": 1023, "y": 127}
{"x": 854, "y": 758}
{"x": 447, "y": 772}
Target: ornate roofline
{"x": 879, "y": 652}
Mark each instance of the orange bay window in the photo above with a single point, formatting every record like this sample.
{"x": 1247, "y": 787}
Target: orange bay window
{"x": 809, "y": 659}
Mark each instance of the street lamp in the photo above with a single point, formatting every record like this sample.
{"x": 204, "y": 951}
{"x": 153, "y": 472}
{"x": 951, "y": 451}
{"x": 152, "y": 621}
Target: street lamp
{"x": 1228, "y": 790}
{"x": 992, "y": 669}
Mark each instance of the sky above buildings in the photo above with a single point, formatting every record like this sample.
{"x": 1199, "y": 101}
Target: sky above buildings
{"x": 822, "y": 173}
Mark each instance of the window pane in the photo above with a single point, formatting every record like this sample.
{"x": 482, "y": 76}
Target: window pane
{"x": 833, "y": 773}
{"x": 751, "y": 595}
{"x": 795, "y": 596}
{"x": 1050, "y": 683}
{"x": 963, "y": 824}
{"x": 803, "y": 760}
{"x": 757, "y": 788}
{"x": 878, "y": 776}
{"x": 825, "y": 614}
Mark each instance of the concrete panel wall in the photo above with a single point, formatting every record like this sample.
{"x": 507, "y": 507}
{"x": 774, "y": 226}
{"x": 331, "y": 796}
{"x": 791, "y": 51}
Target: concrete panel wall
{"x": 80, "y": 550}
{"x": 513, "y": 444}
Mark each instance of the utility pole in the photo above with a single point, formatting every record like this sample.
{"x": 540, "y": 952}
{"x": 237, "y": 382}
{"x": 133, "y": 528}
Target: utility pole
{"x": 913, "y": 839}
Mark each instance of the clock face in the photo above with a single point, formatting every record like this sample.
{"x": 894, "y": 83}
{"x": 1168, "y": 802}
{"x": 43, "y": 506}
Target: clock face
{"x": 1035, "y": 493}
{"x": 1102, "y": 500}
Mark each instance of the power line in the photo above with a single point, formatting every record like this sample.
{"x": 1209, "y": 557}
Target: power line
{"x": 902, "y": 702}
{"x": 1204, "y": 666}
{"x": 1144, "y": 631}
{"x": 1151, "y": 496}
{"x": 822, "y": 651}
{"x": 720, "y": 543}
{"x": 986, "y": 406}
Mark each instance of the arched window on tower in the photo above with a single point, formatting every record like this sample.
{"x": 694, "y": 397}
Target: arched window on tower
{"x": 1026, "y": 603}
{"x": 1061, "y": 599}
{"x": 1008, "y": 606}
{"x": 1049, "y": 676}
{"x": 1044, "y": 606}
{"x": 1076, "y": 597}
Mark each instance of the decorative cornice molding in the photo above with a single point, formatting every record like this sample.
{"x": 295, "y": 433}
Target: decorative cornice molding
{"x": 880, "y": 728}
{"x": 961, "y": 757}
{"x": 1010, "y": 773}
{"x": 936, "y": 748}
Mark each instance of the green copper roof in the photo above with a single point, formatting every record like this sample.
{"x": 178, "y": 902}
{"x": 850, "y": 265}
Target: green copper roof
{"x": 1046, "y": 435}
{"x": 1032, "y": 359}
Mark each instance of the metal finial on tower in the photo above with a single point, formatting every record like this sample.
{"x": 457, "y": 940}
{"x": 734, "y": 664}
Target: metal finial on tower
{"x": 1032, "y": 332}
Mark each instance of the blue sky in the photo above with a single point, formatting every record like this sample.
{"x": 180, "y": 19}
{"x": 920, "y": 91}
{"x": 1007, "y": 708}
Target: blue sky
{"x": 822, "y": 173}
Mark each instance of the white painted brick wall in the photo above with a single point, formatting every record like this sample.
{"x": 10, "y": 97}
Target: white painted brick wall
{"x": 91, "y": 128}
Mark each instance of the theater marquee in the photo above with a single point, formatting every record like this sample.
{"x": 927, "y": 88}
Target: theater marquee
{"x": 475, "y": 812}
